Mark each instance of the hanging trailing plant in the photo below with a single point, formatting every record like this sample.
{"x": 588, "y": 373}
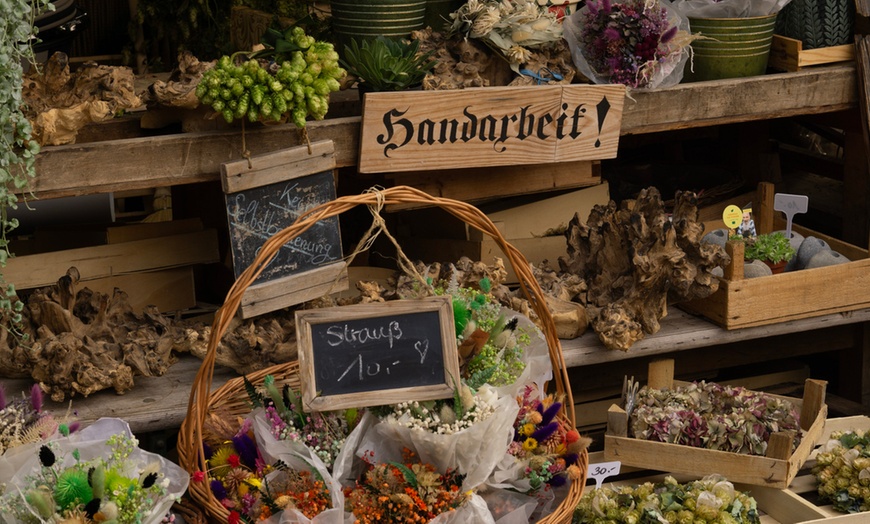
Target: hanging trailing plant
{"x": 17, "y": 149}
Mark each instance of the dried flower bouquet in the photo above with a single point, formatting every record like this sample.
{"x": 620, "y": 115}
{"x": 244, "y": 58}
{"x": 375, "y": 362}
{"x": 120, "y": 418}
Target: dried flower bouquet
{"x": 637, "y": 43}
{"x": 95, "y": 475}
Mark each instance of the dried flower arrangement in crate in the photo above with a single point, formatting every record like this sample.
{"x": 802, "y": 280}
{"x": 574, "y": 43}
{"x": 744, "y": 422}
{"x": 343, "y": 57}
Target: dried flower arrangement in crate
{"x": 763, "y": 441}
{"x": 831, "y": 488}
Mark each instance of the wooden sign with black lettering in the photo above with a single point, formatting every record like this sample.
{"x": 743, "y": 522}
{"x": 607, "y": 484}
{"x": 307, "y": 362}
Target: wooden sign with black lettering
{"x": 489, "y": 126}
{"x": 377, "y": 353}
{"x": 267, "y": 195}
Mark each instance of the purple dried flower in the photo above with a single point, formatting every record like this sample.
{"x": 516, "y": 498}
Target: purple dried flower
{"x": 544, "y": 432}
{"x": 36, "y": 398}
{"x": 207, "y": 451}
{"x": 612, "y": 34}
{"x": 218, "y": 490}
{"x": 605, "y": 7}
{"x": 558, "y": 481}
{"x": 571, "y": 458}
{"x": 550, "y": 413}
{"x": 246, "y": 449}
{"x": 668, "y": 35}
{"x": 74, "y": 426}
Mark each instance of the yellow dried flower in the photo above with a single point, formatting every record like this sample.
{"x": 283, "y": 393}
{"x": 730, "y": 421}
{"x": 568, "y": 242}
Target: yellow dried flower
{"x": 530, "y": 444}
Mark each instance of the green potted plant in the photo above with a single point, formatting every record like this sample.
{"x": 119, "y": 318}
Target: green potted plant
{"x": 774, "y": 249}
{"x": 384, "y": 64}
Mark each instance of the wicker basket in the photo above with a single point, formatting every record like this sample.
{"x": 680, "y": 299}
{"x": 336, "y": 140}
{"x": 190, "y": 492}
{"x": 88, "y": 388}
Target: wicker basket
{"x": 232, "y": 397}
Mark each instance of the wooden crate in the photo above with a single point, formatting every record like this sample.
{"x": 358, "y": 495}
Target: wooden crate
{"x": 803, "y": 489}
{"x": 788, "y": 54}
{"x": 775, "y": 506}
{"x": 776, "y": 470}
{"x": 741, "y": 302}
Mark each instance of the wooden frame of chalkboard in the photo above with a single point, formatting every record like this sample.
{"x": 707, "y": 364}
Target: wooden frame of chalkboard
{"x": 377, "y": 353}
{"x": 264, "y": 196}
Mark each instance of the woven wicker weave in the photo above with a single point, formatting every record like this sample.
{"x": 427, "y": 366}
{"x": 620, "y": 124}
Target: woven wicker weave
{"x": 232, "y": 397}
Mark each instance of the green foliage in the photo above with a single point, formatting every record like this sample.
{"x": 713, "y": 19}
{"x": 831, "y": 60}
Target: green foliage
{"x": 17, "y": 149}
{"x": 383, "y": 64}
{"x": 773, "y": 247}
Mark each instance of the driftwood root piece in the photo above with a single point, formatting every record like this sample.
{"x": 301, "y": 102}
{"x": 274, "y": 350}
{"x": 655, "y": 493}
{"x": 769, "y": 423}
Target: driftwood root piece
{"x": 81, "y": 342}
{"x": 248, "y": 345}
{"x": 60, "y": 102}
{"x": 634, "y": 258}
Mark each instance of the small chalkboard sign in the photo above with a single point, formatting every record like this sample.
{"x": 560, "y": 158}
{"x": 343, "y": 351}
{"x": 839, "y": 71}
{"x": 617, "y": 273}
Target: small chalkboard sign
{"x": 264, "y": 196}
{"x": 376, "y": 354}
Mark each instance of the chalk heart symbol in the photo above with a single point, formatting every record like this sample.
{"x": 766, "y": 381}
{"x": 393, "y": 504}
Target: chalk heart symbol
{"x": 422, "y": 348}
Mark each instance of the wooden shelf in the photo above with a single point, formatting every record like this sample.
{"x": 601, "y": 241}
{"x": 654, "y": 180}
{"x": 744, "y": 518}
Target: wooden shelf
{"x": 160, "y": 403}
{"x": 682, "y": 331}
{"x": 137, "y": 163}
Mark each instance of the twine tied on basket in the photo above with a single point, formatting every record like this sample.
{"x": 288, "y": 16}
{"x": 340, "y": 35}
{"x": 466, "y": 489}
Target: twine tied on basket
{"x": 379, "y": 226}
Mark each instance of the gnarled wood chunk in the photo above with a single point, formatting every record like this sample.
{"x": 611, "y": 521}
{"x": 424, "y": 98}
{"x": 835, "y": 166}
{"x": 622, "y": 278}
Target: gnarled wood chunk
{"x": 81, "y": 342}
{"x": 634, "y": 258}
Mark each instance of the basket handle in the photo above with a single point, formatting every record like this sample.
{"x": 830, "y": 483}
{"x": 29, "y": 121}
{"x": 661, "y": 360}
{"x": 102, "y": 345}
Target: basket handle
{"x": 199, "y": 395}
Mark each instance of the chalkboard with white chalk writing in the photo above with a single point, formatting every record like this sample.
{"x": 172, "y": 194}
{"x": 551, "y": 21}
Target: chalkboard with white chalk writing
{"x": 256, "y": 214}
{"x": 265, "y": 194}
{"x": 375, "y": 354}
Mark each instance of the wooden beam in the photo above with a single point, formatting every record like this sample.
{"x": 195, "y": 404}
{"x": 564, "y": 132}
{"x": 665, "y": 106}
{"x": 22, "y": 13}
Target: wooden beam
{"x": 150, "y": 162}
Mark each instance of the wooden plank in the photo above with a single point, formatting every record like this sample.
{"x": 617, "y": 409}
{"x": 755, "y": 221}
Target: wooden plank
{"x": 154, "y": 404}
{"x": 682, "y": 331}
{"x": 276, "y": 167}
{"x": 788, "y": 54}
{"x": 783, "y": 505}
{"x": 489, "y": 126}
{"x": 114, "y": 259}
{"x": 535, "y": 219}
{"x": 823, "y": 89}
{"x": 167, "y": 289}
{"x": 497, "y": 182}
{"x": 294, "y": 289}
{"x": 131, "y": 232}
{"x": 115, "y": 165}
{"x": 661, "y": 374}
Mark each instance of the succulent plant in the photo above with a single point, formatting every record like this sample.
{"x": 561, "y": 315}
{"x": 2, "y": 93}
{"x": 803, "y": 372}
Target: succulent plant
{"x": 384, "y": 64}
{"x": 773, "y": 247}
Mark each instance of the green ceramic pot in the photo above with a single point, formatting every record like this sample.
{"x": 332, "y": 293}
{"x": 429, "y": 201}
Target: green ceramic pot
{"x": 732, "y": 47}
{"x": 366, "y": 19}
